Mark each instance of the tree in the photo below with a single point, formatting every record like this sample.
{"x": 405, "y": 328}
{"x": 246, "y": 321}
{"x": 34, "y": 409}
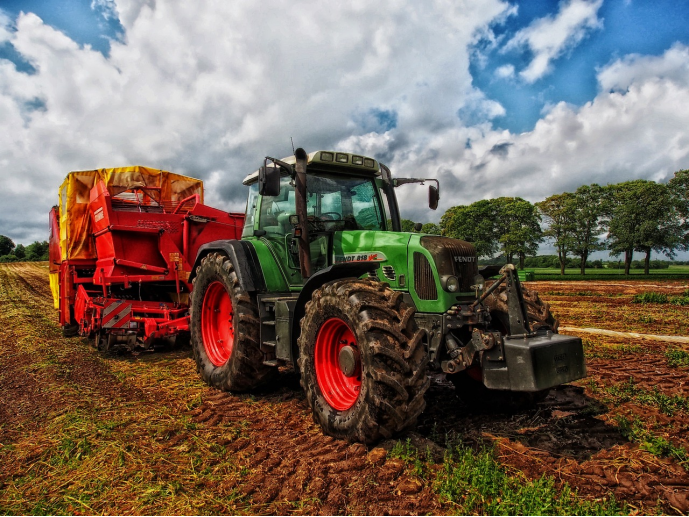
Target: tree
{"x": 642, "y": 217}
{"x": 559, "y": 211}
{"x": 589, "y": 205}
{"x": 407, "y": 225}
{"x": 473, "y": 223}
{"x": 37, "y": 251}
{"x": 431, "y": 228}
{"x": 510, "y": 225}
{"x": 518, "y": 224}
{"x": 679, "y": 189}
{"x": 20, "y": 251}
{"x": 6, "y": 245}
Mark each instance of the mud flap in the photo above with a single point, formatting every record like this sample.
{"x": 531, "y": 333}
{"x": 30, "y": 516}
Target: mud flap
{"x": 537, "y": 363}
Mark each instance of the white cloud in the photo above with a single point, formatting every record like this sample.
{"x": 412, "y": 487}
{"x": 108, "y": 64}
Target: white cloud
{"x": 636, "y": 131}
{"x": 216, "y": 86}
{"x": 549, "y": 37}
{"x": 672, "y": 65}
{"x": 106, "y": 8}
{"x": 5, "y": 25}
{"x": 505, "y": 71}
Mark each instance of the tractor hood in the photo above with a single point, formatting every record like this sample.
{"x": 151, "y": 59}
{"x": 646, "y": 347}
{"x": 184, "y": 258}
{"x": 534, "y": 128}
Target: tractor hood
{"x": 418, "y": 263}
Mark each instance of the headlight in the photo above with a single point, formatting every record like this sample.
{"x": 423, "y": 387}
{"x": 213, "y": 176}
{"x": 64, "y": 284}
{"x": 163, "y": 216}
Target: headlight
{"x": 452, "y": 284}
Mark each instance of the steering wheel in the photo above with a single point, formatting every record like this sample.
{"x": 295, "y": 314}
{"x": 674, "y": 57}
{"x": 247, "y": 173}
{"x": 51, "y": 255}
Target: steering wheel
{"x": 330, "y": 216}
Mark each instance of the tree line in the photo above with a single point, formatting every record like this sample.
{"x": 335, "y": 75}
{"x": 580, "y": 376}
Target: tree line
{"x": 638, "y": 216}
{"x": 34, "y": 252}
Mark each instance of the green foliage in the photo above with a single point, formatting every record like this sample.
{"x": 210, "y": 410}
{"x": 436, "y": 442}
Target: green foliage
{"x": 477, "y": 483}
{"x": 431, "y": 228}
{"x": 20, "y": 252}
{"x": 679, "y": 190}
{"x": 656, "y": 445}
{"x": 37, "y": 251}
{"x": 652, "y": 297}
{"x": 559, "y": 211}
{"x": 629, "y": 391}
{"x": 588, "y": 219}
{"x": 407, "y": 225}
{"x": 6, "y": 245}
{"x": 642, "y": 216}
{"x": 676, "y": 357}
{"x": 507, "y": 224}
{"x": 33, "y": 252}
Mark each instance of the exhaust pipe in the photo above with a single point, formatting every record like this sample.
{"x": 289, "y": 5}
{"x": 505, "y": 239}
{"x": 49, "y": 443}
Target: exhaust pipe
{"x": 300, "y": 200}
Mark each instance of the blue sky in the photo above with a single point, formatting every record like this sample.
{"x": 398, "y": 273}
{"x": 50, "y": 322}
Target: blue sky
{"x": 84, "y": 21}
{"x": 627, "y": 27}
{"x": 493, "y": 97}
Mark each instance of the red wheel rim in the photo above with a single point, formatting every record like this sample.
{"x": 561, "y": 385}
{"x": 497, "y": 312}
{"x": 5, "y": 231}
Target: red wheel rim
{"x": 339, "y": 390}
{"x": 217, "y": 330}
{"x": 475, "y": 373}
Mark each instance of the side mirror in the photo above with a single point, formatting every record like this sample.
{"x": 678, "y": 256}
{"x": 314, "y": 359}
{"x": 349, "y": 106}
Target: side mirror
{"x": 269, "y": 181}
{"x": 433, "y": 197}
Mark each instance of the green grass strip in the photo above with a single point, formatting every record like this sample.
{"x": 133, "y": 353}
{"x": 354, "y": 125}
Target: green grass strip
{"x": 652, "y": 297}
{"x": 676, "y": 357}
{"x": 656, "y": 445}
{"x": 629, "y": 391}
{"x": 479, "y": 485}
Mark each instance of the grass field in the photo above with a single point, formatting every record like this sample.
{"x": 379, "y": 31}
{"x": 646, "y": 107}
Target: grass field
{"x": 81, "y": 433}
{"x": 673, "y": 272}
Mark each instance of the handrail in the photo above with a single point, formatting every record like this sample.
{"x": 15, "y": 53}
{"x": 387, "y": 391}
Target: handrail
{"x": 181, "y": 203}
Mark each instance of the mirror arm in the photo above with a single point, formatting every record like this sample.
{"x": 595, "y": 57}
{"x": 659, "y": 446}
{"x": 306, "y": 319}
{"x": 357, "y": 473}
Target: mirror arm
{"x": 288, "y": 167}
{"x": 403, "y": 181}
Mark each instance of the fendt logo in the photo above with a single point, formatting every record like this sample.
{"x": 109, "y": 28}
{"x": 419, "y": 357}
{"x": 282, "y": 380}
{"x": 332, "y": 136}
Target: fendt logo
{"x": 465, "y": 259}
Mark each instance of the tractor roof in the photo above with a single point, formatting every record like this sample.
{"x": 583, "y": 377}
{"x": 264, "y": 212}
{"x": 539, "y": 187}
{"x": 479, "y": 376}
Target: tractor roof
{"x": 354, "y": 163}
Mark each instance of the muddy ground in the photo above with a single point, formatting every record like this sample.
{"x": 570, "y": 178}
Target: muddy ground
{"x": 140, "y": 434}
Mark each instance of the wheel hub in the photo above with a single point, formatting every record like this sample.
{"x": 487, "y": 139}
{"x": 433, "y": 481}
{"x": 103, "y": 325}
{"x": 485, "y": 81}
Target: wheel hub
{"x": 349, "y": 360}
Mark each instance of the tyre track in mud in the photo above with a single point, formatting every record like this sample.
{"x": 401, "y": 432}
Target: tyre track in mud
{"x": 288, "y": 458}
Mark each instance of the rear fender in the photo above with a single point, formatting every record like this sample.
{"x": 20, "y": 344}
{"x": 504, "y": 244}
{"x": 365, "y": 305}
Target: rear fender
{"x": 324, "y": 276}
{"x": 244, "y": 259}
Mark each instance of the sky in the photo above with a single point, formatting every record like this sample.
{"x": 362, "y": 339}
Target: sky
{"x": 492, "y": 97}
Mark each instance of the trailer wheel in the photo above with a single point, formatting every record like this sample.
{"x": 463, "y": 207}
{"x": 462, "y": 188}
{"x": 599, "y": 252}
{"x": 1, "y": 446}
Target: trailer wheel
{"x": 225, "y": 328}
{"x": 362, "y": 361}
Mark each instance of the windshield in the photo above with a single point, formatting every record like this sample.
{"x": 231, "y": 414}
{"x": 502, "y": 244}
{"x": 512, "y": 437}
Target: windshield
{"x": 332, "y": 202}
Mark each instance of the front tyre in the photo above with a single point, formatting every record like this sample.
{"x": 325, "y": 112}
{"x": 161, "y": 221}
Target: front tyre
{"x": 224, "y": 328}
{"x": 362, "y": 361}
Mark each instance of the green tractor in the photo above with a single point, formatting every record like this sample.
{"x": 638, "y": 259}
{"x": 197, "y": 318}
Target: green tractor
{"x": 324, "y": 279}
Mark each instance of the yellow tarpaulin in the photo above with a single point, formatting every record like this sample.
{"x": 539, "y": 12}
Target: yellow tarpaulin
{"x": 75, "y": 222}
{"x": 55, "y": 288}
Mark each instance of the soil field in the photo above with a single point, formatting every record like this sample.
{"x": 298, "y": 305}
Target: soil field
{"x": 141, "y": 434}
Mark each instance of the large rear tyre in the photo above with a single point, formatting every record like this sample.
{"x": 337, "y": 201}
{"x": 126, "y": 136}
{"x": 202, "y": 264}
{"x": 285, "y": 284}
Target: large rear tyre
{"x": 362, "y": 361}
{"x": 537, "y": 310}
{"x": 225, "y": 329}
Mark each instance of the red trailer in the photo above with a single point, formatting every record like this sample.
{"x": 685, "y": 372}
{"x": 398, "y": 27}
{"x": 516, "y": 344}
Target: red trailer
{"x": 122, "y": 245}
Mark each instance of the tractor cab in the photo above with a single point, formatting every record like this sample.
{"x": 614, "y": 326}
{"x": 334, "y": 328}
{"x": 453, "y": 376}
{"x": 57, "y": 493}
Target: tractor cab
{"x": 343, "y": 193}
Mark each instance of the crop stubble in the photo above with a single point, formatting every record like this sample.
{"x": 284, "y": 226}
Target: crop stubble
{"x": 80, "y": 433}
